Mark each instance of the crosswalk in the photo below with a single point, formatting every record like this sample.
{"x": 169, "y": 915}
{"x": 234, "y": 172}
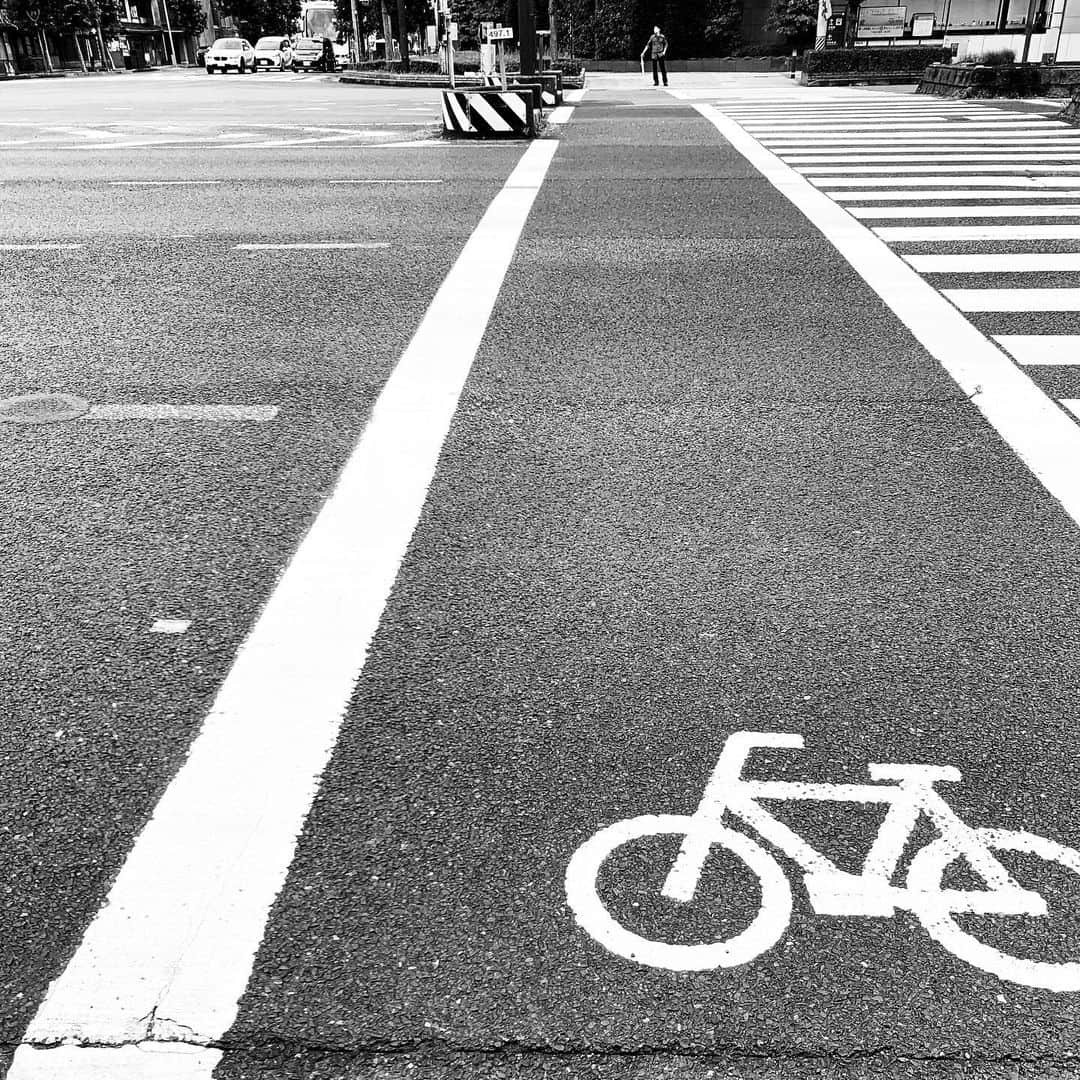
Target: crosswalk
{"x": 983, "y": 203}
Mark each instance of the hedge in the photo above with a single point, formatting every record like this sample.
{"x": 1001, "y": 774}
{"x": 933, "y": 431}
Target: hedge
{"x": 872, "y": 61}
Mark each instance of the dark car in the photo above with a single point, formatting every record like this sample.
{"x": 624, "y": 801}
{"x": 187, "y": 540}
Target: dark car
{"x": 313, "y": 54}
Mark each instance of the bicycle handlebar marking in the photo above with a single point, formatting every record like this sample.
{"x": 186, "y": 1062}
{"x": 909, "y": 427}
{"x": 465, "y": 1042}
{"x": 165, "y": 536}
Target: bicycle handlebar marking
{"x": 909, "y": 792}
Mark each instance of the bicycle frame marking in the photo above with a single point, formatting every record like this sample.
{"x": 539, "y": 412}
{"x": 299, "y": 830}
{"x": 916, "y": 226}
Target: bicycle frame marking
{"x": 907, "y": 791}
{"x": 834, "y": 891}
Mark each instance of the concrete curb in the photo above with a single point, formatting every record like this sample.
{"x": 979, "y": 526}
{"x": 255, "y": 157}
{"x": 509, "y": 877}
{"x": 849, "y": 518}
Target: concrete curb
{"x": 386, "y": 78}
{"x": 439, "y": 82}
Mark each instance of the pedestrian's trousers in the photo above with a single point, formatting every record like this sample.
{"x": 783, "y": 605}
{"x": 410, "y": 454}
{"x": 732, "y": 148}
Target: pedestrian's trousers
{"x": 658, "y": 66}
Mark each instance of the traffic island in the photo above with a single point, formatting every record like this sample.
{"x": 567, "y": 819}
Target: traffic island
{"x": 490, "y": 113}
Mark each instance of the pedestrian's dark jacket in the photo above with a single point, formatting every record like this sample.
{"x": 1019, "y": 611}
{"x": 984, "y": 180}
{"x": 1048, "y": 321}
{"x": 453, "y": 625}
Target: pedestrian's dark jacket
{"x": 657, "y": 46}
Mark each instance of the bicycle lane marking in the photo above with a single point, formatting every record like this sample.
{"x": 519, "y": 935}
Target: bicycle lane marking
{"x": 158, "y": 975}
{"x": 870, "y": 893}
{"x": 1042, "y": 435}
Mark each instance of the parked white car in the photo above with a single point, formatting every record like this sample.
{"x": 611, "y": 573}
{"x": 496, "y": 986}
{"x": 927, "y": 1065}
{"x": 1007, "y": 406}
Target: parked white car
{"x": 228, "y": 53}
{"x": 273, "y": 52}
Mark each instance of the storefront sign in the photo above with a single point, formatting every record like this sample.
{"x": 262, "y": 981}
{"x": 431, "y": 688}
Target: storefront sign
{"x": 881, "y": 22}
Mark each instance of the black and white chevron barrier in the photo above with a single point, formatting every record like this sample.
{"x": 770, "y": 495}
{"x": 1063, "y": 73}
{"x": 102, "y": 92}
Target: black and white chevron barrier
{"x": 486, "y": 113}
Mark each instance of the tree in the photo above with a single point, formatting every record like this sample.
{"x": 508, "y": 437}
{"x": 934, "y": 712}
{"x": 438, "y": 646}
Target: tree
{"x": 256, "y": 18}
{"x": 794, "y": 20}
{"x": 188, "y": 17}
{"x": 615, "y": 27}
{"x": 38, "y": 15}
{"x": 108, "y": 15}
{"x": 722, "y": 26}
{"x": 471, "y": 13}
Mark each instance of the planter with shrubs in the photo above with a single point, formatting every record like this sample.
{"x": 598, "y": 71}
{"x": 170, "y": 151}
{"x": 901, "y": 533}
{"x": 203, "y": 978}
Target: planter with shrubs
{"x": 994, "y": 74}
{"x": 836, "y": 67}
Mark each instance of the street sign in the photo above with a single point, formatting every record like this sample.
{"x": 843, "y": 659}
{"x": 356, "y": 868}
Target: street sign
{"x": 922, "y": 25}
{"x": 881, "y": 22}
{"x": 501, "y": 33}
{"x": 453, "y": 31}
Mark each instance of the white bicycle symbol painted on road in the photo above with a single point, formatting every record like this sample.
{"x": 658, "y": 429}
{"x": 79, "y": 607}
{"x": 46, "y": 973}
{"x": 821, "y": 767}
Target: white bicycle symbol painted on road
{"x": 909, "y": 792}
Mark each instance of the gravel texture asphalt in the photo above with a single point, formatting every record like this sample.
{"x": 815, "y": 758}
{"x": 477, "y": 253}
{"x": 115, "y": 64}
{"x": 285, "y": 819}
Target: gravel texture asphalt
{"x": 700, "y": 480}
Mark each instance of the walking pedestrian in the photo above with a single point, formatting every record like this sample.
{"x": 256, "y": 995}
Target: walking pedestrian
{"x": 657, "y": 49}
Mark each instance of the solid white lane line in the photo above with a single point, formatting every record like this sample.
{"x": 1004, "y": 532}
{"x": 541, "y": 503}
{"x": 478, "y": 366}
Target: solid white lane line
{"x": 1048, "y": 349}
{"x": 351, "y": 246}
{"x": 796, "y": 160}
{"x": 561, "y": 114}
{"x": 923, "y": 233}
{"x": 163, "y": 411}
{"x": 1071, "y": 210}
{"x": 387, "y": 181}
{"x": 1040, "y": 433}
{"x": 926, "y": 129}
{"x": 934, "y": 195}
{"x": 39, "y": 247}
{"x": 824, "y": 171}
{"x": 1049, "y": 262}
{"x": 880, "y": 148}
{"x": 1015, "y": 299}
{"x": 162, "y": 183}
{"x": 1033, "y": 183}
{"x": 572, "y": 97}
{"x": 169, "y": 954}
{"x": 798, "y": 138}
{"x": 738, "y": 112}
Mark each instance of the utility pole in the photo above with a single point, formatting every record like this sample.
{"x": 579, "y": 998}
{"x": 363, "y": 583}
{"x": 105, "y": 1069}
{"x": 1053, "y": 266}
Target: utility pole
{"x": 1029, "y": 26}
{"x": 527, "y": 36}
{"x": 553, "y": 26}
{"x": 168, "y": 31}
{"x": 106, "y": 57}
{"x": 387, "y": 32}
{"x": 403, "y": 35}
{"x": 356, "y": 35}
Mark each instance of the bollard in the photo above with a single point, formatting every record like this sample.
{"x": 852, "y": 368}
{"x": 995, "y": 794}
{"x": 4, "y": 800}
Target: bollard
{"x": 489, "y": 113}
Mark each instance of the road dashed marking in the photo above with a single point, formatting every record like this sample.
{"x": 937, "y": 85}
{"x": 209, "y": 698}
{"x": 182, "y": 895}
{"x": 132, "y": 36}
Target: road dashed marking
{"x": 329, "y": 246}
{"x": 164, "y": 411}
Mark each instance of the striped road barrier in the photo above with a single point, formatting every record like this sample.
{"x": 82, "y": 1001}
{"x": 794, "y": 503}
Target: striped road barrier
{"x": 489, "y": 113}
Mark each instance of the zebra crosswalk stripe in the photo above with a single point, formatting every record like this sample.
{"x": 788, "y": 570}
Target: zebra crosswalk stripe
{"x": 982, "y": 170}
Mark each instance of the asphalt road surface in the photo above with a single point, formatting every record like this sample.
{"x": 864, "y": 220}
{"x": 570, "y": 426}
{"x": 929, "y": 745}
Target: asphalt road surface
{"x": 442, "y": 514}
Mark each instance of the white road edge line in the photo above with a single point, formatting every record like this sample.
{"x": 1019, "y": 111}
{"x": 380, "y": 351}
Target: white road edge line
{"x": 1044, "y": 437}
{"x": 39, "y": 247}
{"x": 156, "y": 980}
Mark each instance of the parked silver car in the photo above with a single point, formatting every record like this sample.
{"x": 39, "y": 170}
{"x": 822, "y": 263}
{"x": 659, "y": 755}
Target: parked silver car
{"x": 273, "y": 53}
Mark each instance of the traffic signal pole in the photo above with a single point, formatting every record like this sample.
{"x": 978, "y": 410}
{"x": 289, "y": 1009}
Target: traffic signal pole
{"x": 527, "y": 36}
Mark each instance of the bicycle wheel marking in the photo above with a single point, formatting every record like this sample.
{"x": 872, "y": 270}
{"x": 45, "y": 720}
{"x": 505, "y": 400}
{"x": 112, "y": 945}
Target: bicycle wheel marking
{"x": 910, "y": 794}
